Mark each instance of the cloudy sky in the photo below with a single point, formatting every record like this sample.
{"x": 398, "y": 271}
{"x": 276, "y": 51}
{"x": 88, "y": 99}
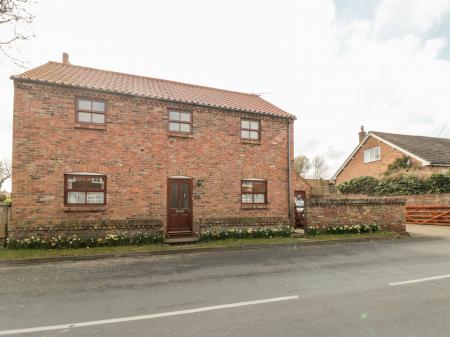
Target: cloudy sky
{"x": 336, "y": 65}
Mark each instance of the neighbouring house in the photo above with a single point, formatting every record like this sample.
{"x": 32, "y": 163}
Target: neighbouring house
{"x": 101, "y": 151}
{"x": 377, "y": 150}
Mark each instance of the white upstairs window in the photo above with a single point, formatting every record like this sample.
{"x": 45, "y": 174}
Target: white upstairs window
{"x": 372, "y": 154}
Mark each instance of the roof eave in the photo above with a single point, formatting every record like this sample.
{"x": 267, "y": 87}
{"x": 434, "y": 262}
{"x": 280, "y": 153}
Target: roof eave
{"x": 17, "y": 78}
{"x": 371, "y": 133}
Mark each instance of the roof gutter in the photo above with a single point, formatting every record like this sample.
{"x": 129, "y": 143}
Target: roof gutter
{"x": 19, "y": 79}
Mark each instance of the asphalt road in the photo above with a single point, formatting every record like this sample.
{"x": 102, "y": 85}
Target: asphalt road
{"x": 333, "y": 290}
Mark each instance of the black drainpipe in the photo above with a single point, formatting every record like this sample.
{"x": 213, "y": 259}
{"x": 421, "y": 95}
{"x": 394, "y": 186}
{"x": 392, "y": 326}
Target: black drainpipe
{"x": 289, "y": 171}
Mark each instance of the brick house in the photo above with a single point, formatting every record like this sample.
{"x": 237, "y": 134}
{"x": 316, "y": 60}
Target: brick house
{"x": 97, "y": 151}
{"x": 377, "y": 150}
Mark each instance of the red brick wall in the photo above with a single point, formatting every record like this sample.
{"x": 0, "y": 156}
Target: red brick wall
{"x": 137, "y": 155}
{"x": 299, "y": 184}
{"x": 356, "y": 166}
{"x": 386, "y": 212}
{"x": 428, "y": 199}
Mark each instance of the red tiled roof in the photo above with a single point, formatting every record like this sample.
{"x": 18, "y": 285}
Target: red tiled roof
{"x": 90, "y": 78}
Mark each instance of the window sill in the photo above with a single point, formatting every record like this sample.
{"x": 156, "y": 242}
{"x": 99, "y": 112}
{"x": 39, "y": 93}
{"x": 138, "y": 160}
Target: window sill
{"x": 254, "y": 206}
{"x": 250, "y": 141}
{"x": 90, "y": 126}
{"x": 84, "y": 208}
{"x": 371, "y": 161}
{"x": 180, "y": 134}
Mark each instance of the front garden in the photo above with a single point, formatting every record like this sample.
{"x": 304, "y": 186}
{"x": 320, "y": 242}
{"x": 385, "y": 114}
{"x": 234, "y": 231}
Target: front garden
{"x": 117, "y": 245}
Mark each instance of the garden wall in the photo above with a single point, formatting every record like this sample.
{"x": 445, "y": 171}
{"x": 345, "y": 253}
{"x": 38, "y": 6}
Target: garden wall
{"x": 389, "y": 213}
{"x": 411, "y": 199}
{"x": 427, "y": 199}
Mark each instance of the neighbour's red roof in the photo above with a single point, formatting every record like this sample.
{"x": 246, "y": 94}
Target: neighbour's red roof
{"x": 90, "y": 78}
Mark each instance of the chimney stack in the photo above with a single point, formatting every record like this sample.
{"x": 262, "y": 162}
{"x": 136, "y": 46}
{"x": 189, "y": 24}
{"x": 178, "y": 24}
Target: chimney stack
{"x": 362, "y": 134}
{"x": 65, "y": 58}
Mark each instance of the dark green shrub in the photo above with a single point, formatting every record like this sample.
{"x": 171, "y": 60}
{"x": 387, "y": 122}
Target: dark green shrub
{"x": 404, "y": 184}
{"x": 397, "y": 184}
{"x": 399, "y": 164}
{"x": 359, "y": 185}
{"x": 439, "y": 183}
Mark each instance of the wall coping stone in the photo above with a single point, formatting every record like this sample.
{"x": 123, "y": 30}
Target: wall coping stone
{"x": 355, "y": 202}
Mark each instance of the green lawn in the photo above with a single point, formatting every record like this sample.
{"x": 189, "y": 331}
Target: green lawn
{"x": 15, "y": 254}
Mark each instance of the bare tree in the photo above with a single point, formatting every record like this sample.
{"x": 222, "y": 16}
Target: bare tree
{"x": 15, "y": 27}
{"x": 5, "y": 172}
{"x": 302, "y": 165}
{"x": 319, "y": 167}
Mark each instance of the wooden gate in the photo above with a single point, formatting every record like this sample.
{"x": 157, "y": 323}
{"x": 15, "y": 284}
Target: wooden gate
{"x": 428, "y": 215}
{"x": 4, "y": 220}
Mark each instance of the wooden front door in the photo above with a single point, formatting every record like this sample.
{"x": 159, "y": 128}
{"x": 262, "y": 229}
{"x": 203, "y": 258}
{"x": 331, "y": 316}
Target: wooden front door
{"x": 179, "y": 207}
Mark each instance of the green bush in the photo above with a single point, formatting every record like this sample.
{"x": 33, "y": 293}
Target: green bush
{"x": 439, "y": 183}
{"x": 400, "y": 184}
{"x": 399, "y": 164}
{"x": 404, "y": 184}
{"x": 246, "y": 233}
{"x": 354, "y": 229}
{"x": 360, "y": 185}
{"x": 77, "y": 242}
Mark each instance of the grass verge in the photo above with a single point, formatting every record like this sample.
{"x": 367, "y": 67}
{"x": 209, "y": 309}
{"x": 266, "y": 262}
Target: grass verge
{"x": 18, "y": 254}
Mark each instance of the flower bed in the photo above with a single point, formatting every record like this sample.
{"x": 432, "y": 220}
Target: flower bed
{"x": 77, "y": 242}
{"x": 354, "y": 229}
{"x": 247, "y": 233}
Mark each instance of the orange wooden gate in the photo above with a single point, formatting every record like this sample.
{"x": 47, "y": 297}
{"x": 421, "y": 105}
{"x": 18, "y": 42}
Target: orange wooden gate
{"x": 428, "y": 215}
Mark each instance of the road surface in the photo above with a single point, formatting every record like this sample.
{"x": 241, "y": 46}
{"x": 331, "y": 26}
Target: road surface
{"x": 385, "y": 288}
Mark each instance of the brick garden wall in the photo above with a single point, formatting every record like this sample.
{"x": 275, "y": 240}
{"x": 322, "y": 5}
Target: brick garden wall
{"x": 138, "y": 154}
{"x": 386, "y": 212}
{"x": 428, "y": 199}
{"x": 411, "y": 199}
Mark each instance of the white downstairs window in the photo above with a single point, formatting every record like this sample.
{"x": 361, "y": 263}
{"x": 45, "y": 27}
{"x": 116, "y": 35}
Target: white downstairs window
{"x": 372, "y": 154}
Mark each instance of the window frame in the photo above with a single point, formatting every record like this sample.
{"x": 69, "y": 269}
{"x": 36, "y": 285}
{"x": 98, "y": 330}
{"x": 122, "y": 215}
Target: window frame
{"x": 258, "y": 131}
{"x": 253, "y": 193}
{"x": 78, "y": 110}
{"x": 190, "y": 123}
{"x": 88, "y": 175}
{"x": 374, "y": 152}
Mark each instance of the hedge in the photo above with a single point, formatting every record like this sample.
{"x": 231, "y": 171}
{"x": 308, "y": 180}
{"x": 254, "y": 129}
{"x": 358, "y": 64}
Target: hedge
{"x": 397, "y": 185}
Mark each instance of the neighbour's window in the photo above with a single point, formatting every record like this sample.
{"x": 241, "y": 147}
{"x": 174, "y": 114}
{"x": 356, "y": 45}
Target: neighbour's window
{"x": 254, "y": 191}
{"x": 85, "y": 189}
{"x": 89, "y": 111}
{"x": 180, "y": 121}
{"x": 250, "y": 129}
{"x": 372, "y": 154}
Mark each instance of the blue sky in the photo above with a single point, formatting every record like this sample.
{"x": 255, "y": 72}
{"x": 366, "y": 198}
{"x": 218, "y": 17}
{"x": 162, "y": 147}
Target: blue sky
{"x": 336, "y": 64}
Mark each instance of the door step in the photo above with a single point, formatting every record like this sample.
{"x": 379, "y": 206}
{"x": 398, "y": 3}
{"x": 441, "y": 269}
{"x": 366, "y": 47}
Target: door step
{"x": 181, "y": 240}
{"x": 299, "y": 233}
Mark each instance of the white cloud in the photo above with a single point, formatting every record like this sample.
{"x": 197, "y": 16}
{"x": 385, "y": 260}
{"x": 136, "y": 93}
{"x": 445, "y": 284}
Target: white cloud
{"x": 334, "y": 73}
{"x": 407, "y": 16}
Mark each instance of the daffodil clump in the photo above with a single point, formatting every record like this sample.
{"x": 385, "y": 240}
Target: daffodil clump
{"x": 246, "y": 233}
{"x": 353, "y": 229}
{"x": 74, "y": 241}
